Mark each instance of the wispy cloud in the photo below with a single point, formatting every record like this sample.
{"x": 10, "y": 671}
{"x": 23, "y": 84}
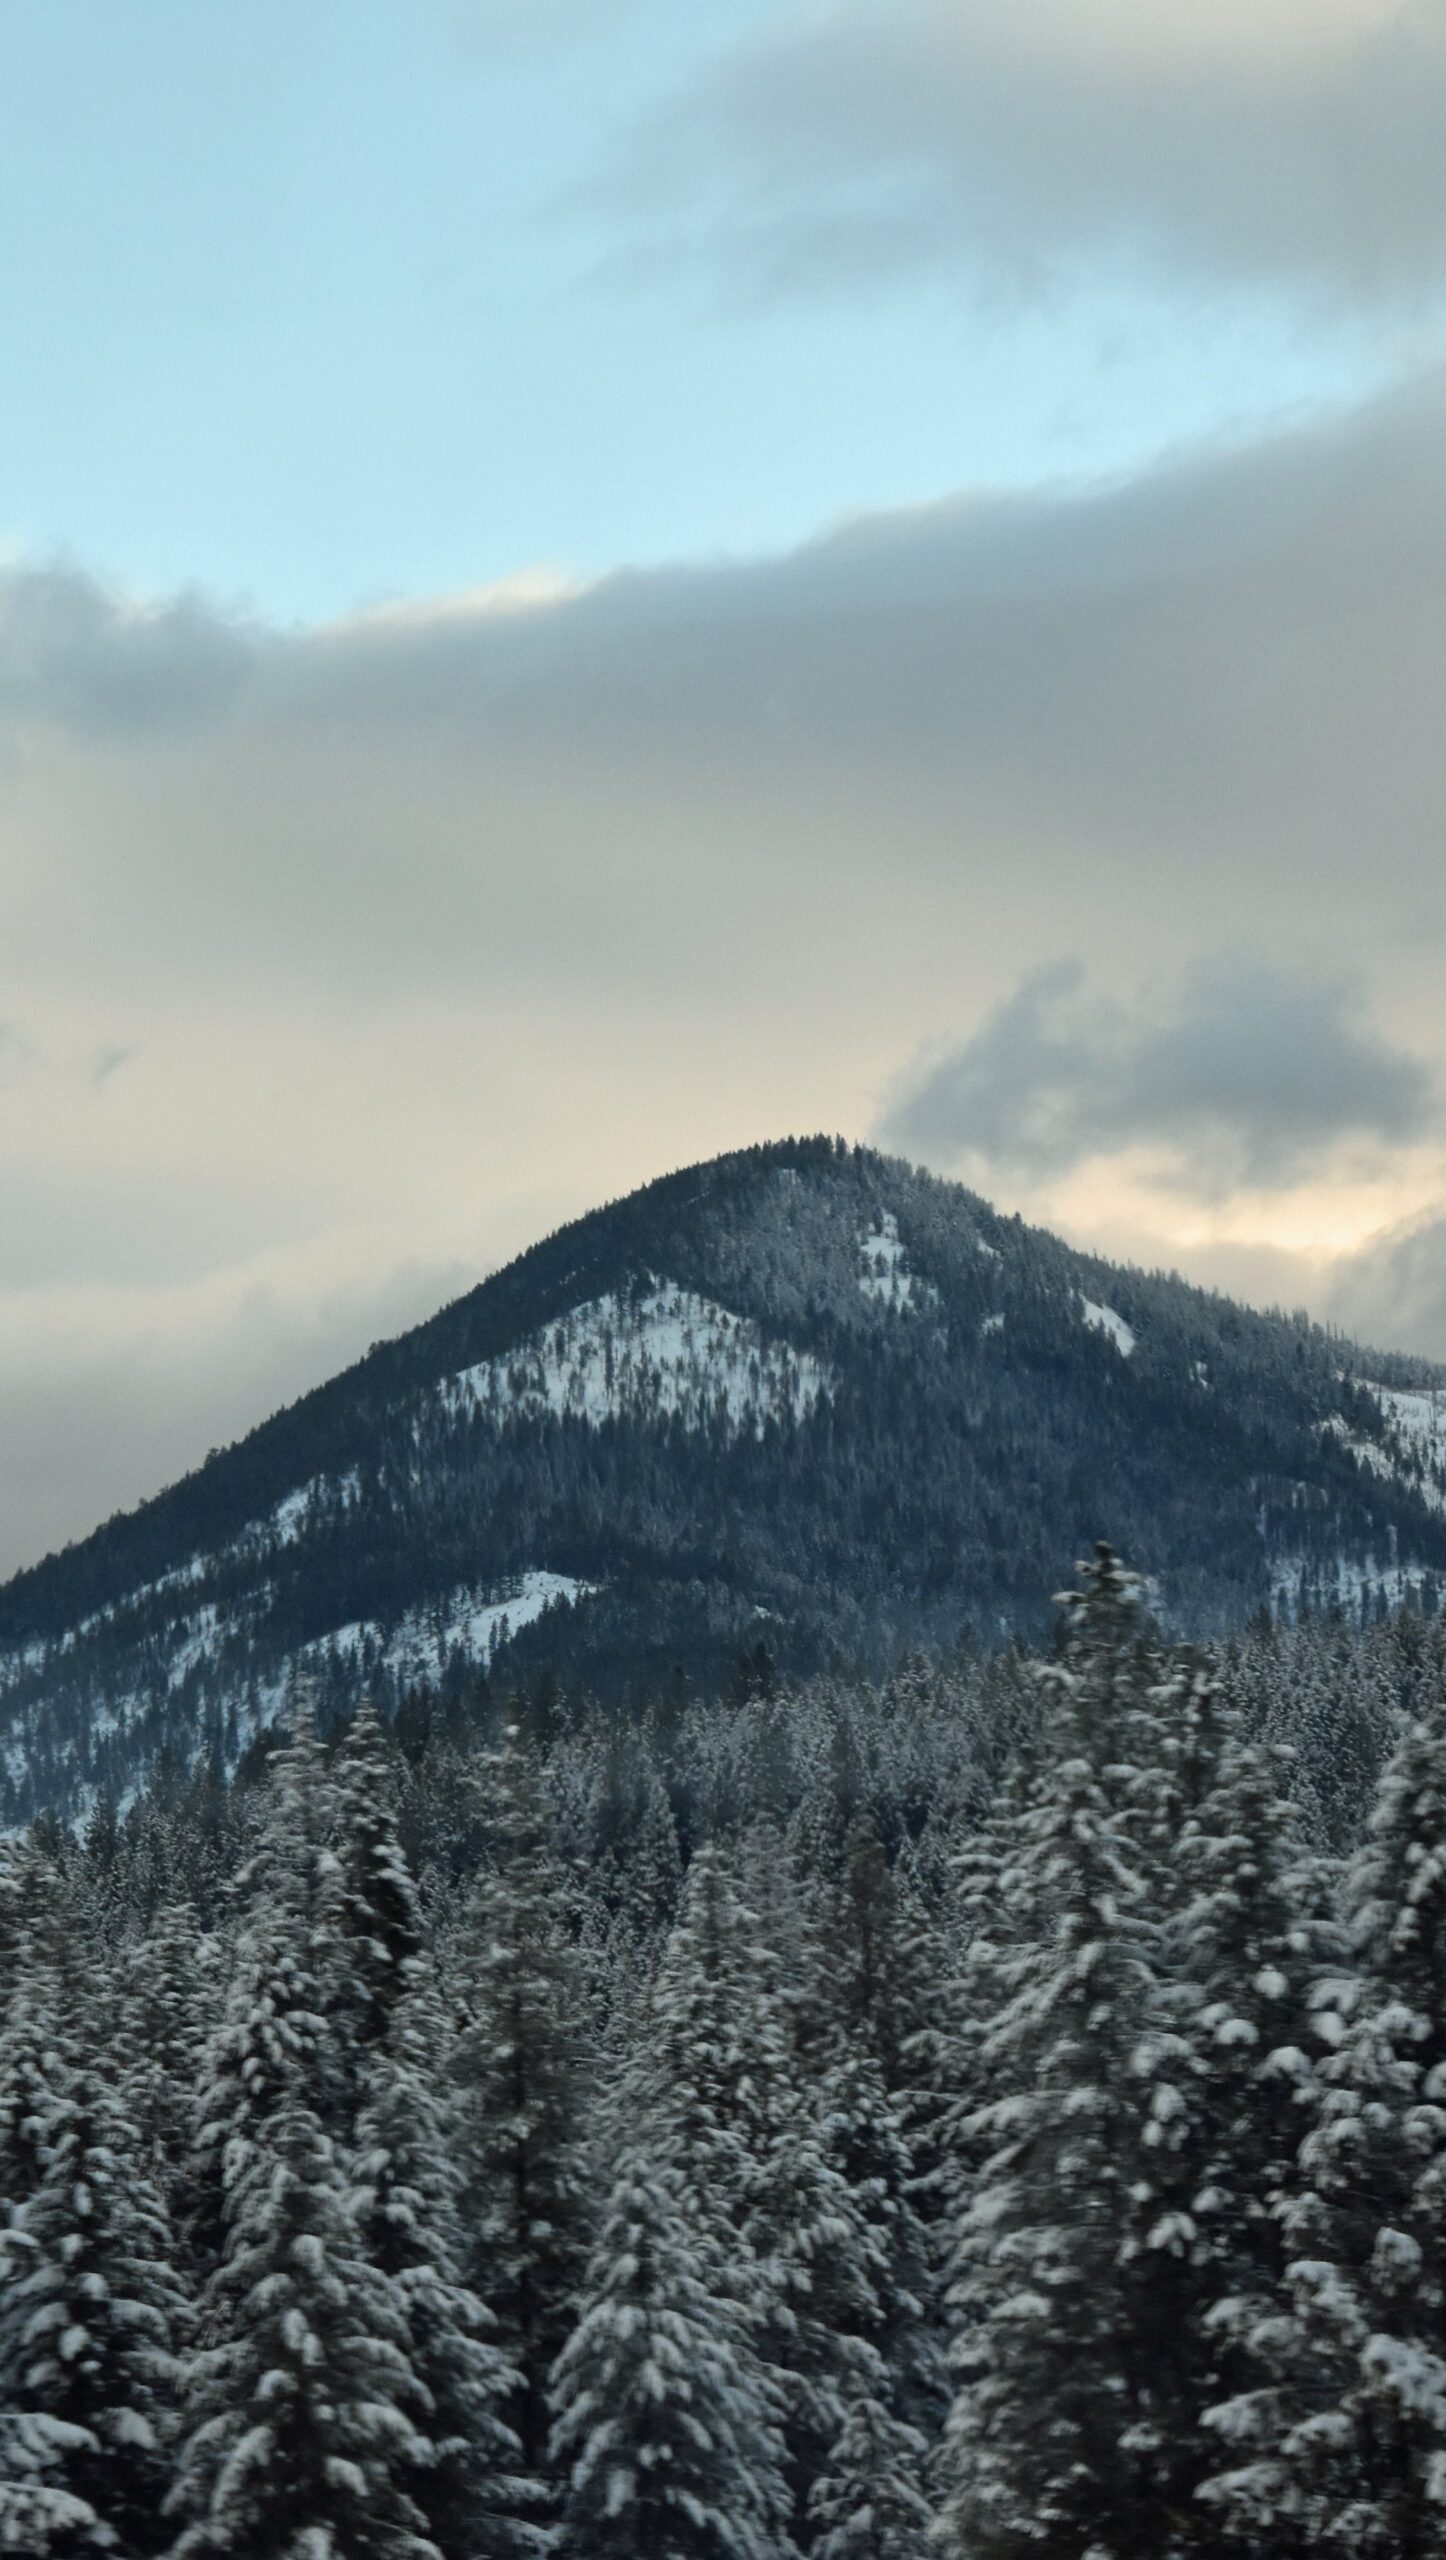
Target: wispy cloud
{"x": 1300, "y": 142}
{"x": 109, "y": 1064}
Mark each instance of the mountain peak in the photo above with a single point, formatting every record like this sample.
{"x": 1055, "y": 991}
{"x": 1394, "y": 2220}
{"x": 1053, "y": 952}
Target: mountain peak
{"x": 804, "y": 1387}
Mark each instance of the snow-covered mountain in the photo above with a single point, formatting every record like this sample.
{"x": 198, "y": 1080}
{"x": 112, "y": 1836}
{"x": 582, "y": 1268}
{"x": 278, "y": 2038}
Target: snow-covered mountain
{"x": 803, "y": 1394}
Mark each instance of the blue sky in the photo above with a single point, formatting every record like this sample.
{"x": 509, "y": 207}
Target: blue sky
{"x": 315, "y": 302}
{"x": 588, "y": 581}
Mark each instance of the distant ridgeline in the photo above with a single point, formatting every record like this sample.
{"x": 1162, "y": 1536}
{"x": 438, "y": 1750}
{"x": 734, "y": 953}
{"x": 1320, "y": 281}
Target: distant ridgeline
{"x": 801, "y": 1396}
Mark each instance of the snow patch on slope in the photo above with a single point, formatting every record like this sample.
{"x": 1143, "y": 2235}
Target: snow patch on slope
{"x": 885, "y": 1274}
{"x": 190, "y": 1636}
{"x": 422, "y": 1644}
{"x": 474, "y": 1622}
{"x": 1310, "y": 1586}
{"x": 667, "y": 1352}
{"x": 1412, "y": 1449}
{"x": 1104, "y": 1320}
{"x": 288, "y": 1519}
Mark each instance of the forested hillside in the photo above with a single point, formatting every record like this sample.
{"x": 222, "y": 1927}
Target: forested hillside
{"x": 1003, "y": 2102}
{"x": 803, "y": 1395}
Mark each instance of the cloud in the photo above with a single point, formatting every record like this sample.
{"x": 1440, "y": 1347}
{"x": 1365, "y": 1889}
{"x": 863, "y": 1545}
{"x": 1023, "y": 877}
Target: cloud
{"x": 1393, "y": 1291}
{"x": 1249, "y": 1077}
{"x": 442, "y": 907}
{"x": 109, "y": 1400}
{"x": 1296, "y": 141}
{"x": 1216, "y": 685}
{"x": 77, "y": 656}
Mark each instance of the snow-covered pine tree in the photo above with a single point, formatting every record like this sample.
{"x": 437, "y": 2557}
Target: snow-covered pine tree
{"x": 35, "y": 1921}
{"x": 380, "y": 1923}
{"x": 304, "y": 2416}
{"x": 1340, "y": 2445}
{"x": 720, "y": 2075}
{"x": 39, "y": 2515}
{"x": 272, "y": 2035}
{"x": 879, "y": 1987}
{"x": 1225, "y": 2064}
{"x": 409, "y": 2210}
{"x": 664, "y": 2430}
{"x": 709, "y": 2047}
{"x": 526, "y": 2192}
{"x": 92, "y": 2311}
{"x": 865, "y": 2498}
{"x": 811, "y": 2250}
{"x": 870, "y": 2500}
{"x": 12, "y": 1908}
{"x": 1043, "y": 2446}
{"x": 169, "y": 1987}
{"x": 40, "y": 2519}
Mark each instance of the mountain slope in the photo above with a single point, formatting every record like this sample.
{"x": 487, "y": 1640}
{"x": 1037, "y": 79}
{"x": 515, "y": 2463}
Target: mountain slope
{"x": 802, "y": 1392}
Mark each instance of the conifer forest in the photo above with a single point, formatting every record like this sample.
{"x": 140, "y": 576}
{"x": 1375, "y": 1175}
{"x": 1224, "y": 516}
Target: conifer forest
{"x": 997, "y": 2112}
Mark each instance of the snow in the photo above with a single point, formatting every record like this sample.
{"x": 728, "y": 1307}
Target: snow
{"x": 1412, "y": 1448}
{"x": 1418, "y": 1415}
{"x": 423, "y": 1643}
{"x": 1104, "y": 1320}
{"x": 885, "y": 1275}
{"x": 189, "y": 1636}
{"x": 660, "y": 1352}
{"x": 667, "y": 1352}
{"x": 1304, "y": 1584}
{"x": 286, "y": 1522}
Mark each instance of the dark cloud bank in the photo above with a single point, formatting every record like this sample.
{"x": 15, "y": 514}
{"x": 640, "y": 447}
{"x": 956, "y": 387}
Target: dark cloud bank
{"x": 1250, "y": 1076}
{"x": 1212, "y": 693}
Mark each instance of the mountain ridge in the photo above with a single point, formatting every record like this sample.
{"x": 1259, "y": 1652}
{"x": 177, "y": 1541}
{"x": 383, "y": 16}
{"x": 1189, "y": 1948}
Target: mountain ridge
{"x": 801, "y": 1387}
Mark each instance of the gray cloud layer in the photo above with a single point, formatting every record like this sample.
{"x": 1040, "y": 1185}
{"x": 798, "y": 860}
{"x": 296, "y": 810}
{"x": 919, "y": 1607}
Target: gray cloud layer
{"x": 1394, "y": 1291}
{"x": 1218, "y": 687}
{"x": 76, "y": 658}
{"x": 1250, "y": 1076}
{"x": 1298, "y": 140}
{"x": 610, "y": 882}
{"x": 87, "y": 1432}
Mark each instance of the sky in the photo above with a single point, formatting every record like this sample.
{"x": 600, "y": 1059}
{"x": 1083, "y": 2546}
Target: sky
{"x": 587, "y": 581}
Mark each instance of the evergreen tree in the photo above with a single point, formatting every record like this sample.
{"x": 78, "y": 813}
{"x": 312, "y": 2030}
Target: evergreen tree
{"x": 169, "y": 1993}
{"x": 33, "y": 1915}
{"x": 93, "y": 2314}
{"x": 1343, "y": 2433}
{"x": 40, "y": 2519}
{"x": 409, "y": 2209}
{"x": 273, "y": 2033}
{"x": 758, "y": 2129}
{"x": 303, "y": 2431}
{"x": 305, "y": 2418}
{"x": 1051, "y": 2435}
{"x": 880, "y": 1967}
{"x": 379, "y": 1919}
{"x": 525, "y": 2194}
{"x": 663, "y": 2426}
{"x": 1231, "y": 2085}
{"x": 869, "y": 2501}
{"x": 713, "y": 2044}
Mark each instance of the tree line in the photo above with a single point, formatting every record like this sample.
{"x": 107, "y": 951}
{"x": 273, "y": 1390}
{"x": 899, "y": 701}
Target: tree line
{"x": 1001, "y": 2114}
